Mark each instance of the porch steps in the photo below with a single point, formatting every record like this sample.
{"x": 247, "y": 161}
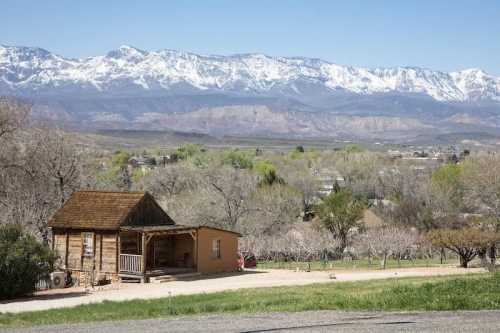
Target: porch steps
{"x": 173, "y": 277}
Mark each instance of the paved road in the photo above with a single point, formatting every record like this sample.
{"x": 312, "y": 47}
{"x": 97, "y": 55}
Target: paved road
{"x": 318, "y": 321}
{"x": 58, "y": 298}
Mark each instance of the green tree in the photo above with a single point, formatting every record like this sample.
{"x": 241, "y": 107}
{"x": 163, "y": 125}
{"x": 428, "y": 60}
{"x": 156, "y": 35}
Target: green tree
{"x": 23, "y": 261}
{"x": 340, "y": 213}
{"x": 267, "y": 173}
{"x": 299, "y": 149}
{"x": 447, "y": 183}
{"x": 120, "y": 159}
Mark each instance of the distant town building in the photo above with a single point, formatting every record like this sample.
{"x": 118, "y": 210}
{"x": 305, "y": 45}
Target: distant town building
{"x": 328, "y": 179}
{"x": 168, "y": 159}
{"x": 142, "y": 162}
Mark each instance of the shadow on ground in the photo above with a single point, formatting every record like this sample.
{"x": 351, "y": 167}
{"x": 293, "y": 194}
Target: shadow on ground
{"x": 45, "y": 297}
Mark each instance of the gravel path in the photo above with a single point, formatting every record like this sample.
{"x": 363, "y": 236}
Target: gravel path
{"x": 314, "y": 321}
{"x": 209, "y": 284}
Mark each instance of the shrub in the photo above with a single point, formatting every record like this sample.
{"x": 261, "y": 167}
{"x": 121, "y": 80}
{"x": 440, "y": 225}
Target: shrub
{"x": 353, "y": 148}
{"x": 188, "y": 150}
{"x": 267, "y": 174}
{"x": 238, "y": 159}
{"x": 23, "y": 260}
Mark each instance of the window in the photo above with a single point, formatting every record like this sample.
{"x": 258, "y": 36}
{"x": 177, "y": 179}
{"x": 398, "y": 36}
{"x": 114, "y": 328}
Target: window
{"x": 216, "y": 249}
{"x": 88, "y": 244}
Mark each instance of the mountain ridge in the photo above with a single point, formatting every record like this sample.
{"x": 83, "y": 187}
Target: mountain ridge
{"x": 128, "y": 70}
{"x": 248, "y": 94}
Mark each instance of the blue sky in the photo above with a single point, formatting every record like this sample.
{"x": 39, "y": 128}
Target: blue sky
{"x": 444, "y": 35}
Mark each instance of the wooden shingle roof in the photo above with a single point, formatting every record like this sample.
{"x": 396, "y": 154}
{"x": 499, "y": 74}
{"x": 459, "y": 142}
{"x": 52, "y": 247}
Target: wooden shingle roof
{"x": 106, "y": 210}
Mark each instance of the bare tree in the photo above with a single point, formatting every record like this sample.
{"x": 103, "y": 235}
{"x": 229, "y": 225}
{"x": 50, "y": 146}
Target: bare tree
{"x": 12, "y": 116}
{"x": 169, "y": 181}
{"x": 232, "y": 189}
{"x": 481, "y": 182}
{"x": 39, "y": 169}
{"x": 386, "y": 241}
{"x": 55, "y": 157}
{"x": 272, "y": 209}
{"x": 299, "y": 175}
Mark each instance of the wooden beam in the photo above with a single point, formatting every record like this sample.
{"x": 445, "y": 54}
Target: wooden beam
{"x": 67, "y": 249}
{"x": 195, "y": 245}
{"x": 143, "y": 257}
{"x": 94, "y": 249}
{"x": 163, "y": 232}
{"x": 100, "y": 252}
{"x": 118, "y": 252}
{"x": 81, "y": 251}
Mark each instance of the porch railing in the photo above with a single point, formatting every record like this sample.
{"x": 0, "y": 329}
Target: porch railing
{"x": 130, "y": 263}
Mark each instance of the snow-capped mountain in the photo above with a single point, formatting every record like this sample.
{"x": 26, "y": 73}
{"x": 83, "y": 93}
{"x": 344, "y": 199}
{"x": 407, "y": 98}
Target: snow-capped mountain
{"x": 28, "y": 71}
{"x": 248, "y": 94}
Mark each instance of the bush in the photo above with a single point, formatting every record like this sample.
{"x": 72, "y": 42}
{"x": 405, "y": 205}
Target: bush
{"x": 188, "y": 150}
{"x": 23, "y": 260}
{"x": 267, "y": 174}
{"x": 238, "y": 159}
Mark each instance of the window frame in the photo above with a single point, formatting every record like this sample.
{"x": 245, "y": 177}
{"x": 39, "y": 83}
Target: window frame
{"x": 216, "y": 248}
{"x": 85, "y": 245}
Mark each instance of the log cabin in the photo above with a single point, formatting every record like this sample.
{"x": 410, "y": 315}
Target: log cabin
{"x": 127, "y": 235}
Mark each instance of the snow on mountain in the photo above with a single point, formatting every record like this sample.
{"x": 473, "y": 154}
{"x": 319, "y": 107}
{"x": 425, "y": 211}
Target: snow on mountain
{"x": 25, "y": 70}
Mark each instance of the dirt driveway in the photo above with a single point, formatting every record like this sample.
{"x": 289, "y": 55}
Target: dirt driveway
{"x": 209, "y": 284}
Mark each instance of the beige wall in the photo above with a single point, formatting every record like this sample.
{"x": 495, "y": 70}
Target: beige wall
{"x": 228, "y": 248}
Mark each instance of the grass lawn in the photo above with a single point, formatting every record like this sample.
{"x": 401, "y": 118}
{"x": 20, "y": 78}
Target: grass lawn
{"x": 354, "y": 264}
{"x": 464, "y": 292}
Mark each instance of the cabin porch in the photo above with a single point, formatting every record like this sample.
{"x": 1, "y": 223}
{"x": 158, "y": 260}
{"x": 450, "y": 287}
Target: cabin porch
{"x": 153, "y": 251}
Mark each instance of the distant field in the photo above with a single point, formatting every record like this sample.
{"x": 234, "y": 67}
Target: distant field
{"x": 466, "y": 292}
{"x": 134, "y": 139}
{"x": 353, "y": 264}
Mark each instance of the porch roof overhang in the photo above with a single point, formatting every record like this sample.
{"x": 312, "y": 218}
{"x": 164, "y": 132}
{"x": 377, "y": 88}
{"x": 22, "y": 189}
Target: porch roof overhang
{"x": 160, "y": 229}
{"x": 171, "y": 229}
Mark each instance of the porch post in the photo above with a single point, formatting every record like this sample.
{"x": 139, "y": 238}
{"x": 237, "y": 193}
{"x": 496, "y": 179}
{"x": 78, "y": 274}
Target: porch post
{"x": 196, "y": 250}
{"x": 194, "y": 236}
{"x": 143, "y": 257}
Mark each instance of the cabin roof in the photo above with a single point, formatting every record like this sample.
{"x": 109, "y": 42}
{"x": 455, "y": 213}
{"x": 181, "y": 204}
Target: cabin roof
{"x": 98, "y": 210}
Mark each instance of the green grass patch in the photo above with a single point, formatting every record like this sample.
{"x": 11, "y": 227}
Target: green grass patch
{"x": 353, "y": 264}
{"x": 465, "y": 292}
